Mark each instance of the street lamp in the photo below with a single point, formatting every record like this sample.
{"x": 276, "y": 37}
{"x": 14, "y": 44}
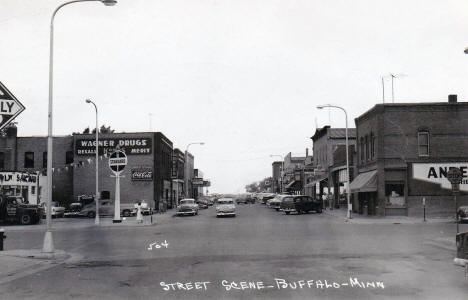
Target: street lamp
{"x": 282, "y": 170}
{"x": 186, "y": 157}
{"x": 48, "y": 245}
{"x": 348, "y": 192}
{"x": 96, "y": 220}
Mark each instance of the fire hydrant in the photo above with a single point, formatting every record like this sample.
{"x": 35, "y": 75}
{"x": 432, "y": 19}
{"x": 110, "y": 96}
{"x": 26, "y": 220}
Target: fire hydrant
{"x": 2, "y": 237}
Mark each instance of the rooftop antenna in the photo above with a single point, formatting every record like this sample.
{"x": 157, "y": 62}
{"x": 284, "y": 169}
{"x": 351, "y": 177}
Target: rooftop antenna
{"x": 150, "y": 115}
{"x": 392, "y": 75}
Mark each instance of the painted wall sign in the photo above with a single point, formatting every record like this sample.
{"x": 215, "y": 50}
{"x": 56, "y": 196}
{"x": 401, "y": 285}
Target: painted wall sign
{"x": 18, "y": 178}
{"x": 437, "y": 173}
{"x": 131, "y": 146}
{"x": 142, "y": 174}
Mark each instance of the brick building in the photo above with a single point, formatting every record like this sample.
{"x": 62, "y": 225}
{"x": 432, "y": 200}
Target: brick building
{"x": 276, "y": 176}
{"x": 403, "y": 154}
{"x": 326, "y": 140}
{"x": 148, "y": 153}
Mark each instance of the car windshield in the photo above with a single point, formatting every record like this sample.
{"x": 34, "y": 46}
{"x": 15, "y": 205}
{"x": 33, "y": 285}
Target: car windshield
{"x": 187, "y": 201}
{"x": 225, "y": 201}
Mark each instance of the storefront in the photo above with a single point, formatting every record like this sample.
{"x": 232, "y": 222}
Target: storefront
{"x": 20, "y": 184}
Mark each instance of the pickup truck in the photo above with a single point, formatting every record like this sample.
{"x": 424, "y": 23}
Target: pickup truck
{"x": 15, "y": 209}
{"x": 300, "y": 204}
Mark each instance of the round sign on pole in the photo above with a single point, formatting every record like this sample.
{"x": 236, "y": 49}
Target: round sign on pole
{"x": 117, "y": 161}
{"x": 455, "y": 175}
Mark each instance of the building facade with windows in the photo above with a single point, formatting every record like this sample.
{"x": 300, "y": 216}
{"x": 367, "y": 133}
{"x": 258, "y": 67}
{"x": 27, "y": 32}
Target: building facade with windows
{"x": 326, "y": 141}
{"x": 403, "y": 154}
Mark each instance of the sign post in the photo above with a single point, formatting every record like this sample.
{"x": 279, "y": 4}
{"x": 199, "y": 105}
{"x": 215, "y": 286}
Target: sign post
{"x": 117, "y": 162}
{"x": 455, "y": 176}
{"x": 424, "y": 207}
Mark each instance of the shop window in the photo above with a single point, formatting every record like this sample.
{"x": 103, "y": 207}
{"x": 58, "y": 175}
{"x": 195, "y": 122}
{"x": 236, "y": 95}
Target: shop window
{"x": 423, "y": 143}
{"x": 2, "y": 160}
{"x": 69, "y": 157}
{"x": 367, "y": 147}
{"x": 29, "y": 159}
{"x": 44, "y": 160}
{"x": 33, "y": 190}
{"x": 395, "y": 193}
{"x": 362, "y": 149}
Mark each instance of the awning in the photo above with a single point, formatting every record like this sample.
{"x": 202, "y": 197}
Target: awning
{"x": 365, "y": 182}
{"x": 294, "y": 185}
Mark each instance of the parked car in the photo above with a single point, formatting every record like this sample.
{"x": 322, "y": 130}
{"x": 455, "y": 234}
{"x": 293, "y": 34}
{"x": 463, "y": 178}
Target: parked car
{"x": 463, "y": 214}
{"x": 276, "y": 202}
{"x": 202, "y": 203}
{"x": 225, "y": 207}
{"x": 56, "y": 210}
{"x": 73, "y": 209}
{"x": 267, "y": 197}
{"x": 187, "y": 207}
{"x": 106, "y": 208}
{"x": 15, "y": 209}
{"x": 242, "y": 199}
{"x": 300, "y": 204}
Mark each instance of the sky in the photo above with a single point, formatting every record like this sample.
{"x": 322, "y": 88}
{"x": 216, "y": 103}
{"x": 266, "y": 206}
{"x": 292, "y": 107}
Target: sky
{"x": 243, "y": 76}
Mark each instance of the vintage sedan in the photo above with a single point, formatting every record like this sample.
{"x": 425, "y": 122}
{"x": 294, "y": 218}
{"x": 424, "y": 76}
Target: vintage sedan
{"x": 276, "y": 202}
{"x": 225, "y": 207}
{"x": 187, "y": 207}
{"x": 300, "y": 204}
{"x": 56, "y": 209}
{"x": 463, "y": 214}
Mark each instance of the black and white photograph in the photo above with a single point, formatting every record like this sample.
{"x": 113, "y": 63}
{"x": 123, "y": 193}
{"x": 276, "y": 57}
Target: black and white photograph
{"x": 233, "y": 149}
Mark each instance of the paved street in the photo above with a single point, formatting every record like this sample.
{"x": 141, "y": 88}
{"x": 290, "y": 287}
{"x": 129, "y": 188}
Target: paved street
{"x": 278, "y": 256}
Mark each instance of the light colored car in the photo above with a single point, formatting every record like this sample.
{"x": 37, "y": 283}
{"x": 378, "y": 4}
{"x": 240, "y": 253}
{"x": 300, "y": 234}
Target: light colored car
{"x": 55, "y": 211}
{"x": 276, "y": 202}
{"x": 187, "y": 207}
{"x": 226, "y": 207}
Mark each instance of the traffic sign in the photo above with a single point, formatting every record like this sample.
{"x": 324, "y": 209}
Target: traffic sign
{"x": 10, "y": 107}
{"x": 455, "y": 176}
{"x": 117, "y": 161}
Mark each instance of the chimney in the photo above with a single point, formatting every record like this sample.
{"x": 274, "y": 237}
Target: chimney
{"x": 307, "y": 152}
{"x": 452, "y": 98}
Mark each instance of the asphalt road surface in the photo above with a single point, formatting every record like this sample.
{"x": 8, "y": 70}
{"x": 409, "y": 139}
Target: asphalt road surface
{"x": 260, "y": 254}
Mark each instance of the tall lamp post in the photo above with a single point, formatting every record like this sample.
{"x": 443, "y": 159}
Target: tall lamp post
{"x": 348, "y": 192}
{"x": 96, "y": 219}
{"x": 186, "y": 156}
{"x": 282, "y": 171}
{"x": 48, "y": 245}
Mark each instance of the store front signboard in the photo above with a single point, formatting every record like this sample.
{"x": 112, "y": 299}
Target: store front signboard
{"x": 131, "y": 146}
{"x": 197, "y": 182}
{"x": 437, "y": 173}
{"x": 142, "y": 174}
{"x": 18, "y": 178}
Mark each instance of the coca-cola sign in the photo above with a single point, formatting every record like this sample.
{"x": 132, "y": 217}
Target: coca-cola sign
{"x": 142, "y": 174}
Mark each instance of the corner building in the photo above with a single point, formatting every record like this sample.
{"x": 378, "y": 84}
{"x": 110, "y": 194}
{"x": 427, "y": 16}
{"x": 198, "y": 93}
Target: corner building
{"x": 403, "y": 154}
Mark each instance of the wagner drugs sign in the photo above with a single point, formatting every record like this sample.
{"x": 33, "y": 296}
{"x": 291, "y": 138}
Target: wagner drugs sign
{"x": 439, "y": 173}
{"x": 131, "y": 146}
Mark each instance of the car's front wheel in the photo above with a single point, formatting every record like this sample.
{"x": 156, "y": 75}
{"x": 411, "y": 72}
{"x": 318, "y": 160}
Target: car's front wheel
{"x": 126, "y": 213}
{"x": 91, "y": 214}
{"x": 25, "y": 219}
{"x": 287, "y": 212}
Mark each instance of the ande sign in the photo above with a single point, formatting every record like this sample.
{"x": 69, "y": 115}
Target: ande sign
{"x": 442, "y": 173}
{"x": 142, "y": 174}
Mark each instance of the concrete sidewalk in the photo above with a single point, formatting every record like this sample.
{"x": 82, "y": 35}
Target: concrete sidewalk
{"x": 362, "y": 219}
{"x": 19, "y": 263}
{"x": 76, "y": 223}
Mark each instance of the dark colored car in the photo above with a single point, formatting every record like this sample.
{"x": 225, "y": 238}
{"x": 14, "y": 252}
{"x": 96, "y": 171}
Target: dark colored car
{"x": 463, "y": 214}
{"x": 300, "y": 204}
